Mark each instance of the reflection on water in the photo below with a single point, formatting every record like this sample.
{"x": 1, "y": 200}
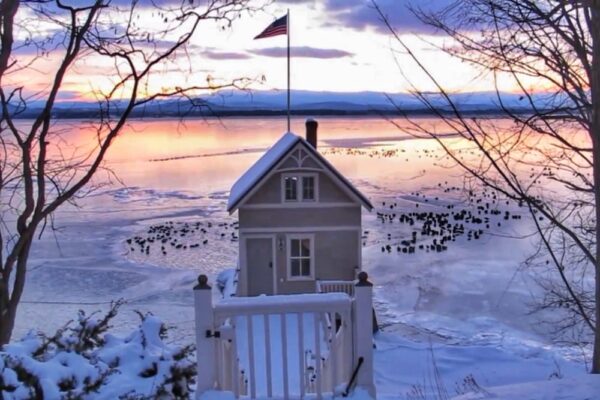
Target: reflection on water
{"x": 208, "y": 155}
{"x": 204, "y": 156}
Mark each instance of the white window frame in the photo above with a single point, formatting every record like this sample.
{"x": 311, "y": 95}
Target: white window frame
{"x": 311, "y": 238}
{"x": 299, "y": 187}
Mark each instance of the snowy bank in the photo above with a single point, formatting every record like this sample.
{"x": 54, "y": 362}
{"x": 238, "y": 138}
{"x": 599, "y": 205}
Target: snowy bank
{"x": 84, "y": 361}
{"x": 583, "y": 387}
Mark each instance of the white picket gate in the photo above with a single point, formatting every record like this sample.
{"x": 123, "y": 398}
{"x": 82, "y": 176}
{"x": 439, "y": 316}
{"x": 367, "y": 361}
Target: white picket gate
{"x": 284, "y": 347}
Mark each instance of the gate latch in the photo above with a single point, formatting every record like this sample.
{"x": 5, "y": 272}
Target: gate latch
{"x": 211, "y": 334}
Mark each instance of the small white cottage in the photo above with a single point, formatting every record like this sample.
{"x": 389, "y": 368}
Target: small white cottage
{"x": 299, "y": 220}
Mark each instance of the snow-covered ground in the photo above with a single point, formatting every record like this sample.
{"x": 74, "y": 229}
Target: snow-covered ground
{"x": 584, "y": 387}
{"x": 461, "y": 313}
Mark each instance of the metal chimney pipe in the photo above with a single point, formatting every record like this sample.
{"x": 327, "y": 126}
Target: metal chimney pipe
{"x": 311, "y": 132}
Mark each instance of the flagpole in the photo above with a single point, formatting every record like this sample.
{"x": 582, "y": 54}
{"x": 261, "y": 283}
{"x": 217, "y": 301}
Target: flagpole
{"x": 288, "y": 70}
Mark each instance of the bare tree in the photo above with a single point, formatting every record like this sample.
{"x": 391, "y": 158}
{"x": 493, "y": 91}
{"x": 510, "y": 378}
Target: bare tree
{"x": 38, "y": 172}
{"x": 545, "y": 158}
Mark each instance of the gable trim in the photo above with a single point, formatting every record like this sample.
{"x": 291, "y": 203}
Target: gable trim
{"x": 242, "y": 199}
{"x": 327, "y": 168}
{"x": 339, "y": 179}
{"x": 260, "y": 181}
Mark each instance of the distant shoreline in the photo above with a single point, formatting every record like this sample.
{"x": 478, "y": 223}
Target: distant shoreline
{"x": 141, "y": 114}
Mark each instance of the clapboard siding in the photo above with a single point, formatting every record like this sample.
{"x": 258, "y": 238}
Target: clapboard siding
{"x": 300, "y": 217}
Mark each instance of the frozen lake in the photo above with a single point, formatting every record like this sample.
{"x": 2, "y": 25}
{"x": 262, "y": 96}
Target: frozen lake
{"x": 473, "y": 296}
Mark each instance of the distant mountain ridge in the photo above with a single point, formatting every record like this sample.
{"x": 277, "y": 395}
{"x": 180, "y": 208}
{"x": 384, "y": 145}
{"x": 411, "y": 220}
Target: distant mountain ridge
{"x": 303, "y": 102}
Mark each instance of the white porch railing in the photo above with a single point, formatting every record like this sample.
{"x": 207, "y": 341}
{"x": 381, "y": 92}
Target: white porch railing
{"x": 289, "y": 346}
{"x": 331, "y": 286}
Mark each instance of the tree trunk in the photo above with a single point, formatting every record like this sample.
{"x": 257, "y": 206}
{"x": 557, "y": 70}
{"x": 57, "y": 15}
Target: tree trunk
{"x": 595, "y": 136}
{"x": 8, "y": 312}
{"x": 3, "y": 309}
{"x": 7, "y": 323}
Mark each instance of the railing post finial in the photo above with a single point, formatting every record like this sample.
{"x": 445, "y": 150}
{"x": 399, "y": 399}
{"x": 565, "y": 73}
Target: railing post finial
{"x": 363, "y": 279}
{"x": 202, "y": 283}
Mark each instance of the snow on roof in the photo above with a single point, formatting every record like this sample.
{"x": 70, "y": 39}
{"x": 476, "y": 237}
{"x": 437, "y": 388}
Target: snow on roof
{"x": 247, "y": 181}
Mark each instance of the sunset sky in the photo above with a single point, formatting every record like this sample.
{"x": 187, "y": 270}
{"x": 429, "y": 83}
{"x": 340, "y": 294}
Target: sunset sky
{"x": 337, "y": 45}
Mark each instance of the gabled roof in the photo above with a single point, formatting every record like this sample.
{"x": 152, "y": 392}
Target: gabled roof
{"x": 257, "y": 172}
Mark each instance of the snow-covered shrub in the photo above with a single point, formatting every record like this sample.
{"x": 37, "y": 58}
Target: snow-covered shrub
{"x": 227, "y": 282}
{"x": 83, "y": 361}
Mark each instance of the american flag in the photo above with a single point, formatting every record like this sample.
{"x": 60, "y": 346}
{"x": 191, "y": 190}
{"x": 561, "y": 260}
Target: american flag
{"x": 279, "y": 27}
